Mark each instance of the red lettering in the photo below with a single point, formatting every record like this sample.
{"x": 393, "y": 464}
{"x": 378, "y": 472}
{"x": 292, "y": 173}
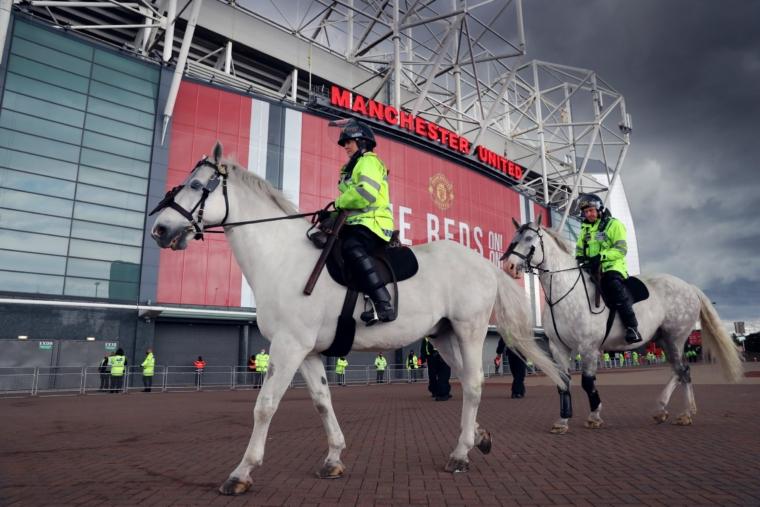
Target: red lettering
{"x": 420, "y": 126}
{"x": 432, "y": 131}
{"x": 376, "y": 109}
{"x": 502, "y": 164}
{"x": 491, "y": 158}
{"x": 391, "y": 115}
{"x": 511, "y": 168}
{"x": 406, "y": 121}
{"x": 340, "y": 97}
{"x": 464, "y": 145}
{"x": 482, "y": 154}
{"x": 444, "y": 136}
{"x": 360, "y": 105}
{"x": 518, "y": 171}
{"x": 453, "y": 141}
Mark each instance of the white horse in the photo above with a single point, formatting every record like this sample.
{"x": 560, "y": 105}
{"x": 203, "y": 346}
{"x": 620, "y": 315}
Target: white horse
{"x": 451, "y": 298}
{"x": 575, "y": 326}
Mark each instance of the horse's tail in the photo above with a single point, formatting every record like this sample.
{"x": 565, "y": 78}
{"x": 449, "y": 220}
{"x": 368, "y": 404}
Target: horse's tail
{"x": 513, "y": 322}
{"x": 716, "y": 342}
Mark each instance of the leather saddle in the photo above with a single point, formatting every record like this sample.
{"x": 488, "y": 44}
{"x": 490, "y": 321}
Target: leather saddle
{"x": 393, "y": 263}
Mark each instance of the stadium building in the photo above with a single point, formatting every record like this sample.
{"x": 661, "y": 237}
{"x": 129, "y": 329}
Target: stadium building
{"x": 106, "y": 105}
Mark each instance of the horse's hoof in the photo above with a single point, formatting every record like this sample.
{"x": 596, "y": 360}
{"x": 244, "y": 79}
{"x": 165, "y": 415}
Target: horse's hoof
{"x": 559, "y": 429}
{"x": 683, "y": 420}
{"x": 457, "y": 465}
{"x": 331, "y": 471}
{"x": 661, "y": 417}
{"x": 484, "y": 445}
{"x": 594, "y": 424}
{"x": 234, "y": 487}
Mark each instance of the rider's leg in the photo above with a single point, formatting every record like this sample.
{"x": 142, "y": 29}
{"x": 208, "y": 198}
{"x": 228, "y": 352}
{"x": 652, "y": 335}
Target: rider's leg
{"x": 358, "y": 241}
{"x": 614, "y": 288}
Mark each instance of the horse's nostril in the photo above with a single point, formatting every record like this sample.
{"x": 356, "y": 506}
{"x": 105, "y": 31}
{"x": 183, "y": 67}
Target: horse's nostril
{"x": 159, "y": 231}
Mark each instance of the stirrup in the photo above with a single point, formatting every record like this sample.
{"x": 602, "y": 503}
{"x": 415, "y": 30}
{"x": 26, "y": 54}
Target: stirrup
{"x": 632, "y": 335}
{"x": 369, "y": 315}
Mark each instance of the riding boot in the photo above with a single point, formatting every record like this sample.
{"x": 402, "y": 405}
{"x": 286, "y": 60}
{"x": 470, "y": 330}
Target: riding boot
{"x": 627, "y": 315}
{"x": 364, "y": 267}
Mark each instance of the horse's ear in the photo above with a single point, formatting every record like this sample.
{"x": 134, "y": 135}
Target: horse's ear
{"x": 514, "y": 222}
{"x": 217, "y": 152}
{"x": 539, "y": 220}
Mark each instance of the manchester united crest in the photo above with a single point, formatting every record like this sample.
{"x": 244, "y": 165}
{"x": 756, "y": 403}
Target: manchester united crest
{"x": 441, "y": 190}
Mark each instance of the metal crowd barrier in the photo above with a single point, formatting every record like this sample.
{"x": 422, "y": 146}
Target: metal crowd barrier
{"x": 75, "y": 380}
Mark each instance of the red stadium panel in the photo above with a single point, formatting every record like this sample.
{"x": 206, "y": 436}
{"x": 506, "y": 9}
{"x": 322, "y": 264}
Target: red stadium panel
{"x": 433, "y": 198}
{"x": 206, "y": 273}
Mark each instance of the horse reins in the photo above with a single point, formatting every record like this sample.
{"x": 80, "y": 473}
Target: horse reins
{"x": 537, "y": 270}
{"x": 221, "y": 173}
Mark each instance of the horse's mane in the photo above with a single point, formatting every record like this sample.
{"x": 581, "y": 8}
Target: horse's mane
{"x": 563, "y": 244}
{"x": 260, "y": 185}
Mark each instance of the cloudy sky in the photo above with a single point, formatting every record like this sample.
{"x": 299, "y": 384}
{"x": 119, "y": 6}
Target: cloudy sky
{"x": 690, "y": 73}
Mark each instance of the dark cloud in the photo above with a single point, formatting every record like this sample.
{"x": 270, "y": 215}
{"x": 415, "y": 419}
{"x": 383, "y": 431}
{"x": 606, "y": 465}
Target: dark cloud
{"x": 690, "y": 73}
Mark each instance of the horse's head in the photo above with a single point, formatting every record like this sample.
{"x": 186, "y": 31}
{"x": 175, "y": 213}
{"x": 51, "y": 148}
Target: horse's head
{"x": 526, "y": 242}
{"x": 199, "y": 202}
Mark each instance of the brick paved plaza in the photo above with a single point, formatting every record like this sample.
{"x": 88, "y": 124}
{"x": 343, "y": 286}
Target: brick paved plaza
{"x": 177, "y": 448}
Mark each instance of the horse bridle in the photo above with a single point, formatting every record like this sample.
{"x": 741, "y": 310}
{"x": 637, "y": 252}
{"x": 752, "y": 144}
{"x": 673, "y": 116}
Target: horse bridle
{"x": 528, "y": 258}
{"x": 220, "y": 175}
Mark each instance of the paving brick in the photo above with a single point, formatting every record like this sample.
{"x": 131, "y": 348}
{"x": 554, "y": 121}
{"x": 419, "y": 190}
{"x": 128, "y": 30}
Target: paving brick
{"x": 177, "y": 448}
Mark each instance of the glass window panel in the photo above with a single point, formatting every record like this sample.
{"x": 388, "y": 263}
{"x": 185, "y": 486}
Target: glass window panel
{"x": 46, "y": 91}
{"x": 31, "y": 242}
{"x": 119, "y": 129}
{"x": 53, "y": 40}
{"x": 50, "y": 57}
{"x": 43, "y": 109}
{"x": 23, "y": 201}
{"x": 110, "y": 197}
{"x": 113, "y": 94}
{"x": 48, "y": 74}
{"x": 112, "y": 180}
{"x": 35, "y": 263}
{"x": 39, "y": 165}
{"x": 116, "y": 78}
{"x": 121, "y": 113}
{"x": 102, "y": 289}
{"x": 36, "y": 284}
{"x": 37, "y": 184}
{"x": 40, "y": 127}
{"x": 33, "y": 144}
{"x": 117, "y": 146}
{"x": 113, "y": 216}
{"x": 115, "y": 163}
{"x": 109, "y": 233}
{"x": 104, "y": 270}
{"x": 127, "y": 65}
{"x": 44, "y": 224}
{"x": 103, "y": 251}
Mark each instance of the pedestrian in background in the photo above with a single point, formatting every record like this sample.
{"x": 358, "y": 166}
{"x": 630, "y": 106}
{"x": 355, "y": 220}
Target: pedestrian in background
{"x": 118, "y": 363}
{"x": 148, "y": 366}
{"x": 262, "y": 365}
{"x": 439, "y": 372}
{"x": 380, "y": 364}
{"x": 105, "y": 374}
{"x": 251, "y": 369}
{"x": 517, "y": 368}
{"x": 411, "y": 366}
{"x": 340, "y": 370}
{"x": 199, "y": 364}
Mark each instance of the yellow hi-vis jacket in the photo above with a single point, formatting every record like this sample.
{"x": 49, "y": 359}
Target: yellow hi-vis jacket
{"x": 262, "y": 362}
{"x": 117, "y": 365}
{"x": 148, "y": 364}
{"x": 380, "y": 363}
{"x": 340, "y": 366}
{"x": 364, "y": 194}
{"x": 610, "y": 244}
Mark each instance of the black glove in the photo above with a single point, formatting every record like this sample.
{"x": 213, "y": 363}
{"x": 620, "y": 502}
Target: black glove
{"x": 594, "y": 262}
{"x": 323, "y": 215}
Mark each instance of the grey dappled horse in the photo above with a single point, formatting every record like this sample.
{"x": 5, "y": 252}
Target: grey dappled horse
{"x": 451, "y": 299}
{"x": 668, "y": 315}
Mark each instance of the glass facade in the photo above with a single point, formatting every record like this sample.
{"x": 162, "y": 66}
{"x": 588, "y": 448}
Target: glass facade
{"x": 76, "y": 129}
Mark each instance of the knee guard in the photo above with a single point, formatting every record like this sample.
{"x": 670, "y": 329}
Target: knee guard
{"x": 684, "y": 374}
{"x": 565, "y": 404}
{"x": 589, "y": 385}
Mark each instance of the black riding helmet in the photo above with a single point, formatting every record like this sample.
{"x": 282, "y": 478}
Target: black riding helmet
{"x": 590, "y": 201}
{"x": 354, "y": 129}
